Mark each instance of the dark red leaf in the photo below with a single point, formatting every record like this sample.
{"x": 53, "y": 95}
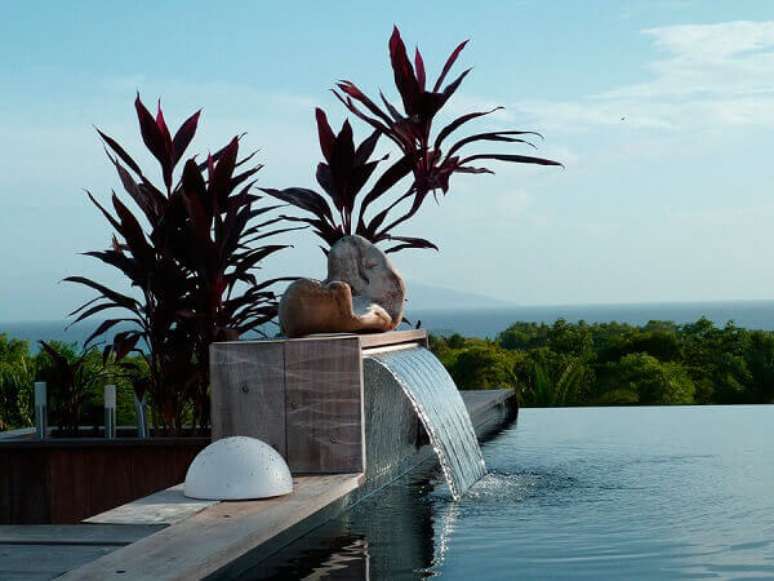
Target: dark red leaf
{"x": 419, "y": 66}
{"x": 405, "y": 80}
{"x": 184, "y": 135}
{"x": 409, "y": 242}
{"x": 449, "y": 63}
{"x": 388, "y": 179}
{"x": 154, "y": 140}
{"x": 351, "y": 90}
{"x": 490, "y": 136}
{"x": 511, "y": 158}
{"x": 103, "y": 327}
{"x": 458, "y": 122}
{"x": 366, "y": 148}
{"x": 303, "y": 198}
{"x": 119, "y": 151}
{"x": 327, "y": 138}
{"x": 122, "y": 300}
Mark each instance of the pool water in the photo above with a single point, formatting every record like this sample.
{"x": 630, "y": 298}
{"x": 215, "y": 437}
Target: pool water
{"x": 595, "y": 493}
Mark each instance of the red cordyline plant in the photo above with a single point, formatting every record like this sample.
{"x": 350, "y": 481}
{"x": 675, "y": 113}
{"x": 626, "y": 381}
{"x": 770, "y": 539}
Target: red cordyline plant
{"x": 70, "y": 382}
{"x": 426, "y": 159}
{"x": 193, "y": 268}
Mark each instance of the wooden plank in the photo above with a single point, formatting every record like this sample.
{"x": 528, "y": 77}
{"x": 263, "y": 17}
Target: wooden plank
{"x": 16, "y": 576}
{"x": 393, "y": 338}
{"x": 82, "y": 534}
{"x": 219, "y": 535}
{"x": 58, "y": 443}
{"x": 248, "y": 391}
{"x": 165, "y": 507}
{"x": 46, "y": 561}
{"x": 24, "y": 486}
{"x": 324, "y": 388}
{"x": 369, "y": 339}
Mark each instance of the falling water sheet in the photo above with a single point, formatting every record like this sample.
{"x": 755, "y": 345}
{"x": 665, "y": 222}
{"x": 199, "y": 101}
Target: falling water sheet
{"x": 440, "y": 408}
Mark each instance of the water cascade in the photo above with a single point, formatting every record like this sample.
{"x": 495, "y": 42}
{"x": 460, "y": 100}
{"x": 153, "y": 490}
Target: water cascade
{"x": 442, "y": 412}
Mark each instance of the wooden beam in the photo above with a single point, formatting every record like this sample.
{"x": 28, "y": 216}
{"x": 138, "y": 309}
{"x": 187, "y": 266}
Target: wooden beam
{"x": 74, "y": 534}
{"x": 47, "y": 561}
{"x": 324, "y": 389}
{"x": 219, "y": 535}
{"x": 394, "y": 338}
{"x": 248, "y": 394}
{"x": 165, "y": 507}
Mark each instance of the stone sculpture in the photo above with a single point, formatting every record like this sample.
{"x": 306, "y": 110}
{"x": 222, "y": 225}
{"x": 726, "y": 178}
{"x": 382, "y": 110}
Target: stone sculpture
{"x": 362, "y": 293}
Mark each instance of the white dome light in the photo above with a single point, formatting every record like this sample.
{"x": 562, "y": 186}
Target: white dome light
{"x": 238, "y": 468}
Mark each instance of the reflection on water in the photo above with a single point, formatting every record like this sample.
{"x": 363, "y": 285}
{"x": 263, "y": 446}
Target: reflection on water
{"x": 388, "y": 535}
{"x": 654, "y": 493}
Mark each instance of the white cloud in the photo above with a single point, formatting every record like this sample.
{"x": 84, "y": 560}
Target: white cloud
{"x": 714, "y": 75}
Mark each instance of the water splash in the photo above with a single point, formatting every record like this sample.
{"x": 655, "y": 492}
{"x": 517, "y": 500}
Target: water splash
{"x": 439, "y": 406}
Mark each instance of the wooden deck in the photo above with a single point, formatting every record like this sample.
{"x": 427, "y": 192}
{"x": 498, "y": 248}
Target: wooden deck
{"x": 47, "y": 551}
{"x": 167, "y": 536}
{"x": 218, "y": 536}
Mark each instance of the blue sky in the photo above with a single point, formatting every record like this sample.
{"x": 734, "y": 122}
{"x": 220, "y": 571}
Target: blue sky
{"x": 673, "y": 202}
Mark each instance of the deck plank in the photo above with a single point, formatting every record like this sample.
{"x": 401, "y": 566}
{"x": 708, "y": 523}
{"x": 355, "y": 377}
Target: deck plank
{"x": 220, "y": 534}
{"x": 164, "y": 507}
{"x": 117, "y": 535}
{"x": 324, "y": 388}
{"x": 46, "y": 561}
{"x": 209, "y": 539}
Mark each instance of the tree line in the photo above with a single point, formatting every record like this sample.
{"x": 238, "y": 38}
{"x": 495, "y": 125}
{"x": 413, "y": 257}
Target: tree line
{"x": 576, "y": 364}
{"x": 561, "y": 364}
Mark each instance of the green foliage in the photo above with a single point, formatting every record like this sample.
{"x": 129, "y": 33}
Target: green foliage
{"x": 19, "y": 369}
{"x": 653, "y": 381}
{"x": 16, "y": 376}
{"x": 660, "y": 363}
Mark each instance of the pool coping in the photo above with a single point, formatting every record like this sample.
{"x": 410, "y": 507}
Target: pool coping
{"x": 204, "y": 540}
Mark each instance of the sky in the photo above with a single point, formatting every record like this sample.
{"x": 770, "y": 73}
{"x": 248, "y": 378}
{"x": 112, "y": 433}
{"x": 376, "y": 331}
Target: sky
{"x": 661, "y": 110}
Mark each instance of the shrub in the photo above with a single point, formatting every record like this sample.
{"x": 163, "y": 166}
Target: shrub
{"x": 71, "y": 380}
{"x": 16, "y": 378}
{"x": 193, "y": 269}
{"x": 653, "y": 381}
{"x": 423, "y": 157}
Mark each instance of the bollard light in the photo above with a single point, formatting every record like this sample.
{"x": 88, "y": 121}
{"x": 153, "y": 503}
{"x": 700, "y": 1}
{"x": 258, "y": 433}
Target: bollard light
{"x": 110, "y": 411}
{"x": 142, "y": 418}
{"x": 41, "y": 410}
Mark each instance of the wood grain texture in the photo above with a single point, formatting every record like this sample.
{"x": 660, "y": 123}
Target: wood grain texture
{"x": 394, "y": 338}
{"x": 366, "y": 339}
{"x": 164, "y": 507}
{"x": 60, "y": 482}
{"x": 220, "y": 539}
{"x": 303, "y": 396}
{"x": 219, "y": 535}
{"x": 47, "y": 551}
{"x": 323, "y": 380}
{"x": 46, "y": 561}
{"x": 248, "y": 391}
{"x": 80, "y": 534}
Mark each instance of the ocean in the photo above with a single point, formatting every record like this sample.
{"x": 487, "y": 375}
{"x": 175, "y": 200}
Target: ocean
{"x": 487, "y": 322}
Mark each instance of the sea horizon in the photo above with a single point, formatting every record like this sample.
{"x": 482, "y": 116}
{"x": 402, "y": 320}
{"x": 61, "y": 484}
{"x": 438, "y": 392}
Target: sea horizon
{"x": 487, "y": 322}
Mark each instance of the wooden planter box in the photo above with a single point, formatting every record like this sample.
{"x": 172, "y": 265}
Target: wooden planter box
{"x": 66, "y": 480}
{"x": 306, "y": 397}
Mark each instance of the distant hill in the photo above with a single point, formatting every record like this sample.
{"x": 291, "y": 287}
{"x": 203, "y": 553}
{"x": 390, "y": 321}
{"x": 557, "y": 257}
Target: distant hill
{"x": 424, "y": 297}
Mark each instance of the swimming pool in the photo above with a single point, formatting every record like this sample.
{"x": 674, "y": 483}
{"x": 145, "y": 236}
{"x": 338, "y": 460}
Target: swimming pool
{"x": 595, "y": 493}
